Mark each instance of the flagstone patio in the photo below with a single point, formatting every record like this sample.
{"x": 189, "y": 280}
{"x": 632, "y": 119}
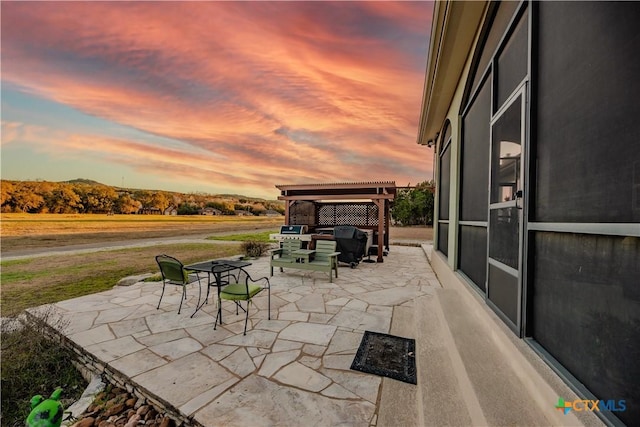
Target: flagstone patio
{"x": 291, "y": 370}
{"x": 294, "y": 370}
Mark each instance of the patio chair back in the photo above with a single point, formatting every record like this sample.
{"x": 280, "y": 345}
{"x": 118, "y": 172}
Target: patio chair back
{"x": 173, "y": 273}
{"x": 171, "y": 269}
{"x": 325, "y": 249}
{"x": 288, "y": 246}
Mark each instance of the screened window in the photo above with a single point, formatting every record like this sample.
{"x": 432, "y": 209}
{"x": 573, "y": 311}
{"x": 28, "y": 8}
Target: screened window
{"x": 475, "y": 157}
{"x": 512, "y": 61}
{"x": 503, "y": 292}
{"x": 444, "y": 180}
{"x": 503, "y": 226}
{"x": 586, "y": 310}
{"x": 473, "y": 254}
{"x": 584, "y": 288}
{"x": 497, "y": 28}
{"x": 443, "y": 238}
{"x": 506, "y": 154}
{"x": 474, "y": 184}
{"x": 588, "y": 138}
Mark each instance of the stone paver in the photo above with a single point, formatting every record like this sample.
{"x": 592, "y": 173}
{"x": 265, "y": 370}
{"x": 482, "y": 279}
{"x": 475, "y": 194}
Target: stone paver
{"x": 291, "y": 370}
{"x": 258, "y": 401}
{"x": 300, "y": 376}
{"x": 184, "y": 379}
{"x": 311, "y": 333}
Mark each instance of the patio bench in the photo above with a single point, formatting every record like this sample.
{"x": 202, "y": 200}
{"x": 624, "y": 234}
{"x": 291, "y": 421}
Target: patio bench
{"x": 324, "y": 258}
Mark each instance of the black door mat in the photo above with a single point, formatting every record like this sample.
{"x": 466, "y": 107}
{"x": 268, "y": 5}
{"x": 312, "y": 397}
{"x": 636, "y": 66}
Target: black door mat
{"x": 387, "y": 356}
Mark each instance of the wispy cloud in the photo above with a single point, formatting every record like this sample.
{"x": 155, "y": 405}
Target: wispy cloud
{"x": 256, "y": 93}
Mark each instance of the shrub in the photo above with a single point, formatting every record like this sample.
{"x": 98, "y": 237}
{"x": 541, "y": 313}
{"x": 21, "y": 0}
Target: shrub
{"x": 254, "y": 249}
{"x": 34, "y": 364}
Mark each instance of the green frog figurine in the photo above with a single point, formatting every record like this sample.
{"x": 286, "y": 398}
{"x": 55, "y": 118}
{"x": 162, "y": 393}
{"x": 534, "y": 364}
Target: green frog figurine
{"x": 46, "y": 412}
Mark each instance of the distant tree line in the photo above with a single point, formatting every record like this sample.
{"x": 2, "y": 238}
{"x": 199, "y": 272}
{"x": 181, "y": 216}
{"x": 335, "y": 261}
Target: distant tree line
{"x": 414, "y": 206}
{"x": 83, "y": 196}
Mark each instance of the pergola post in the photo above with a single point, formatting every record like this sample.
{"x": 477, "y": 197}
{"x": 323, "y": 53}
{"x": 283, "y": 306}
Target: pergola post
{"x": 380, "y": 203}
{"x": 387, "y": 222}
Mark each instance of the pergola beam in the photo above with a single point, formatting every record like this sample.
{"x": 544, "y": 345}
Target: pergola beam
{"x": 345, "y": 197}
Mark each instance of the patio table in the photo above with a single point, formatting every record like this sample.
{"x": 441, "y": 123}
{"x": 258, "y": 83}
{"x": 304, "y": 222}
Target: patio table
{"x": 215, "y": 269}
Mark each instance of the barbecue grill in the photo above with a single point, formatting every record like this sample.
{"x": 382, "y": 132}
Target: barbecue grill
{"x": 291, "y": 232}
{"x": 351, "y": 243}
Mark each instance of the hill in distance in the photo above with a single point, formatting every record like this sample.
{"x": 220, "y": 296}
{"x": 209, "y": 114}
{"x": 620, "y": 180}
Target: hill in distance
{"x": 84, "y": 181}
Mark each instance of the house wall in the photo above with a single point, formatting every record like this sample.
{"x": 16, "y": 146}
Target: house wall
{"x": 571, "y": 286}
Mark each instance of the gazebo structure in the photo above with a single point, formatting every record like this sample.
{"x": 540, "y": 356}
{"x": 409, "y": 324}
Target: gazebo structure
{"x": 362, "y": 204}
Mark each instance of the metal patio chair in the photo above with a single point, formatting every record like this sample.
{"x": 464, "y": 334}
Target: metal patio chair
{"x": 242, "y": 287}
{"x": 173, "y": 273}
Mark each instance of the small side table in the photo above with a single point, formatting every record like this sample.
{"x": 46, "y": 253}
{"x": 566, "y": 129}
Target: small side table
{"x": 303, "y": 255}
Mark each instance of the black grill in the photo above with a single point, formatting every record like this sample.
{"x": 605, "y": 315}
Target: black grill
{"x": 351, "y": 243}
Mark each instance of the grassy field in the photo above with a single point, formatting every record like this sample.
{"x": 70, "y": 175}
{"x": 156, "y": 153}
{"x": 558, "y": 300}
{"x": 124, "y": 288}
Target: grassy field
{"x": 22, "y": 232}
{"x": 18, "y": 224}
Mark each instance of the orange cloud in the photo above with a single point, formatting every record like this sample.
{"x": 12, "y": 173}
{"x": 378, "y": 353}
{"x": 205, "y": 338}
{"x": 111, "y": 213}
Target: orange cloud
{"x": 272, "y": 91}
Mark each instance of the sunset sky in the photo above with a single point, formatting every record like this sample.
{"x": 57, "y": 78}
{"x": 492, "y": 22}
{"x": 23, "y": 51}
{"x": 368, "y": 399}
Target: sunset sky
{"x": 214, "y": 97}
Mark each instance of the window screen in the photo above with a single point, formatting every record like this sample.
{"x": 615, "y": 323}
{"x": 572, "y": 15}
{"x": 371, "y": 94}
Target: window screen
{"x": 472, "y": 257}
{"x": 503, "y": 292}
{"x": 446, "y": 134}
{"x": 445, "y": 170}
{"x": 475, "y": 157}
{"x": 443, "y": 238}
{"x": 512, "y": 61}
{"x": 586, "y": 311}
{"x": 504, "y": 226}
{"x": 588, "y": 132}
{"x": 499, "y": 24}
{"x": 506, "y": 154}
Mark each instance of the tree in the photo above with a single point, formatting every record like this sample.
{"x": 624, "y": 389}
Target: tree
{"x": 86, "y": 196}
{"x": 97, "y": 198}
{"x": 187, "y": 209}
{"x": 144, "y": 197}
{"x": 126, "y": 204}
{"x": 26, "y": 197}
{"x": 160, "y": 200}
{"x": 63, "y": 199}
{"x": 414, "y": 206}
{"x": 6, "y": 193}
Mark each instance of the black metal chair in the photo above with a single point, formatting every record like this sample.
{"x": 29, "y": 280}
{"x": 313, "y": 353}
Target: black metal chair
{"x": 173, "y": 273}
{"x": 242, "y": 287}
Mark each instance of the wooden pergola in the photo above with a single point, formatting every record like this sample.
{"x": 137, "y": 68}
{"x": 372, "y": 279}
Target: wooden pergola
{"x": 361, "y": 204}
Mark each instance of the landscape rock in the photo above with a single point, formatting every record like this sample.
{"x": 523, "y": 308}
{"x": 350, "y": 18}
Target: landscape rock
{"x": 117, "y": 408}
{"x": 132, "y": 280}
{"x": 85, "y": 422}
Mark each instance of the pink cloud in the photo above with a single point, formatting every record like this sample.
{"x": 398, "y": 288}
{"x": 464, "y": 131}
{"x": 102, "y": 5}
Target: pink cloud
{"x": 227, "y": 78}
